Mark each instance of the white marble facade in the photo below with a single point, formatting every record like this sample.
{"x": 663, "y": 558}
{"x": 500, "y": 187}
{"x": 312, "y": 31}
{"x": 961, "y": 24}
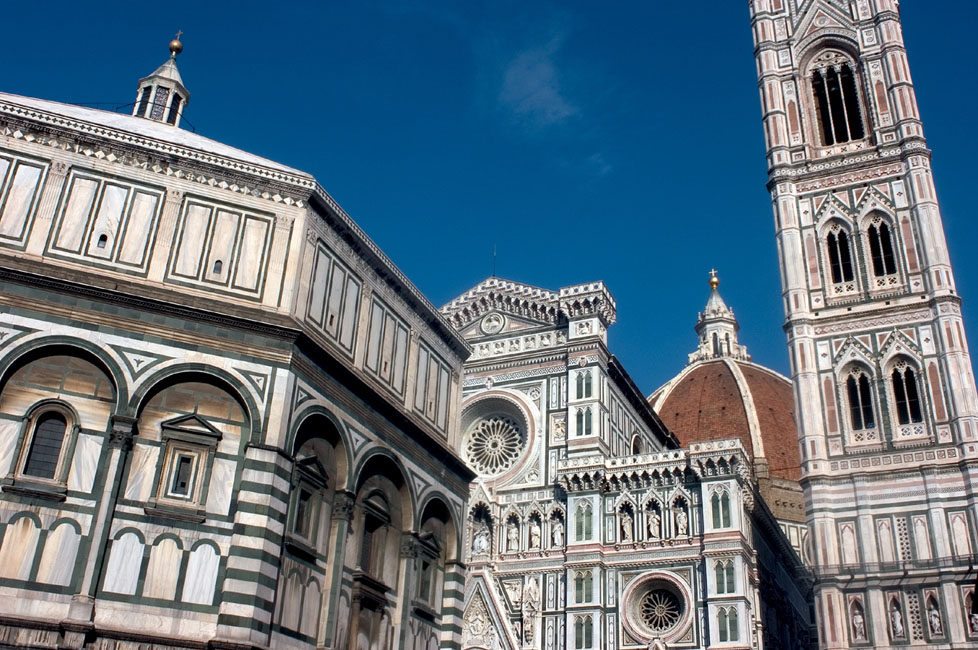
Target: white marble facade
{"x": 220, "y": 404}
{"x": 887, "y": 411}
{"x": 589, "y": 526}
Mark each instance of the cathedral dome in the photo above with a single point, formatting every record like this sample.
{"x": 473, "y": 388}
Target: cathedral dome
{"x": 731, "y": 398}
{"x": 722, "y": 394}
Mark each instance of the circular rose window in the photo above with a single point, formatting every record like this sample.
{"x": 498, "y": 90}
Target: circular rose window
{"x": 660, "y": 609}
{"x": 656, "y": 606}
{"x": 493, "y": 444}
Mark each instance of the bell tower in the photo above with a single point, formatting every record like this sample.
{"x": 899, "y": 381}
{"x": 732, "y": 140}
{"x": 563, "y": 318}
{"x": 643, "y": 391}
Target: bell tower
{"x": 885, "y": 394}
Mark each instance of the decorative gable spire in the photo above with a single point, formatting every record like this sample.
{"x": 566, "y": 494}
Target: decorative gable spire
{"x": 162, "y": 96}
{"x": 717, "y": 329}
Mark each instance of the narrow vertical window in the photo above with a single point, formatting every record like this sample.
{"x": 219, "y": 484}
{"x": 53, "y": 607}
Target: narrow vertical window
{"x": 143, "y": 101}
{"x": 159, "y": 103}
{"x": 900, "y": 397}
{"x": 45, "y": 450}
{"x": 906, "y": 396}
{"x": 733, "y": 626}
{"x": 860, "y": 401}
{"x": 182, "y": 475}
{"x": 580, "y": 385}
{"x": 836, "y": 106}
{"x": 721, "y": 578}
{"x": 851, "y": 99}
{"x": 725, "y": 510}
{"x": 369, "y": 526}
{"x": 840, "y": 256}
{"x": 583, "y": 526}
{"x": 579, "y": 633}
{"x": 886, "y": 244}
{"x": 716, "y": 510}
{"x": 302, "y": 513}
{"x": 866, "y": 399}
{"x": 731, "y": 584}
{"x": 845, "y": 256}
{"x": 835, "y": 264}
{"x": 881, "y": 250}
{"x": 835, "y": 95}
{"x": 424, "y": 584}
{"x": 722, "y": 625}
{"x": 171, "y": 117}
{"x": 587, "y": 384}
{"x": 876, "y": 251}
{"x": 822, "y": 109}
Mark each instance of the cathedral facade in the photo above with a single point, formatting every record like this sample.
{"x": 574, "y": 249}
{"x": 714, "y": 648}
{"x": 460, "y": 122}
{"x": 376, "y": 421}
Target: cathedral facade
{"x": 226, "y": 418}
{"x": 590, "y": 524}
{"x": 886, "y": 408}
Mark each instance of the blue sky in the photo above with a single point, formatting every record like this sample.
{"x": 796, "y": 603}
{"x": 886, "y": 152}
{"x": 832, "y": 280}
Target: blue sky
{"x": 585, "y": 143}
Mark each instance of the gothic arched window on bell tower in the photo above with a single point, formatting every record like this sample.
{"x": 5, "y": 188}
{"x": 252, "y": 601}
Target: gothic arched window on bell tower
{"x": 906, "y": 394}
{"x": 838, "y": 249}
{"x": 880, "y": 237}
{"x": 862, "y": 414}
{"x": 835, "y": 95}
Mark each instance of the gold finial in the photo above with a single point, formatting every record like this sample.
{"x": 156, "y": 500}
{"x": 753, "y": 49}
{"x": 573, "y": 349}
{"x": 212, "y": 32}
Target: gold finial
{"x": 714, "y": 280}
{"x": 176, "y": 47}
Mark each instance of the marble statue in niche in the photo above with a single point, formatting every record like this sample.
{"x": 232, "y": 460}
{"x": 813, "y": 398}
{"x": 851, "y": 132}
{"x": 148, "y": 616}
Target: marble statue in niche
{"x": 512, "y": 536}
{"x": 896, "y": 620}
{"x": 534, "y": 534}
{"x": 480, "y": 542}
{"x": 858, "y": 624}
{"x": 654, "y": 524}
{"x": 557, "y": 534}
{"x": 934, "y": 620}
{"x": 682, "y": 522}
{"x": 627, "y": 529}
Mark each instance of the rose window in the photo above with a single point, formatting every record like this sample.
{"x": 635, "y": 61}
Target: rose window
{"x": 660, "y": 610}
{"x": 494, "y": 444}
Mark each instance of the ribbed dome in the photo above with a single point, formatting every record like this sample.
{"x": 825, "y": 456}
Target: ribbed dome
{"x": 731, "y": 398}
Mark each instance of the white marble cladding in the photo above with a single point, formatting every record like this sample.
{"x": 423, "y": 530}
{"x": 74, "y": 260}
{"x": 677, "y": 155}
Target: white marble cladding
{"x": 519, "y": 344}
{"x": 726, "y": 448}
{"x": 533, "y": 303}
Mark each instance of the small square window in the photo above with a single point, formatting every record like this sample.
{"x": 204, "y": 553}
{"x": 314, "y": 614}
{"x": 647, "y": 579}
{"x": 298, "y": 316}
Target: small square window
{"x": 303, "y": 514}
{"x": 184, "y": 468}
{"x": 180, "y": 478}
{"x": 182, "y": 475}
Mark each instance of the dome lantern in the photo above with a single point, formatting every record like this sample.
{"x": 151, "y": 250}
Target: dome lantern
{"x": 161, "y": 96}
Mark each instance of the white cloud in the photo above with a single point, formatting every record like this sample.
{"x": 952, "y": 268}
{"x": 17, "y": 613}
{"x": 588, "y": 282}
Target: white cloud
{"x": 531, "y": 88}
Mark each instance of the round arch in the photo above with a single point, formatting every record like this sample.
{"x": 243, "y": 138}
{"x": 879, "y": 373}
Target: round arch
{"x": 436, "y": 506}
{"x": 382, "y": 462}
{"x": 195, "y": 372}
{"x": 812, "y": 46}
{"x": 335, "y": 430}
{"x": 37, "y": 348}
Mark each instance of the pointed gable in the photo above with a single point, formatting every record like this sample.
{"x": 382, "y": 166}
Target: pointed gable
{"x": 519, "y": 306}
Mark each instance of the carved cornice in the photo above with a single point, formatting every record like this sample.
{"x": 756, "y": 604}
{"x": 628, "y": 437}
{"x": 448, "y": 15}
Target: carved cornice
{"x": 532, "y": 303}
{"x": 176, "y": 160}
{"x": 715, "y": 459}
{"x": 148, "y": 154}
